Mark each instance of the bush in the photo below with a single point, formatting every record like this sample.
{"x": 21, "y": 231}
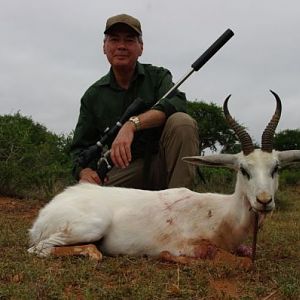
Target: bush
{"x": 290, "y": 176}
{"x": 213, "y": 127}
{"x": 219, "y": 180}
{"x": 288, "y": 139}
{"x": 34, "y": 163}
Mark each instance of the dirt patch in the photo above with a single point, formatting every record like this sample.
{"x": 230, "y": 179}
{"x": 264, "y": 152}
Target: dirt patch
{"x": 22, "y": 208}
{"x": 296, "y": 189}
{"x": 224, "y": 288}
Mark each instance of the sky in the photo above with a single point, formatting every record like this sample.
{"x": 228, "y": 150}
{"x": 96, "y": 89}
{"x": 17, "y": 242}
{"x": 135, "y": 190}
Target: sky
{"x": 51, "y": 52}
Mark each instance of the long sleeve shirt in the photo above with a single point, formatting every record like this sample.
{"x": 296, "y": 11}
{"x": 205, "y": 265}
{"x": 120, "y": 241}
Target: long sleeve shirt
{"x": 104, "y": 103}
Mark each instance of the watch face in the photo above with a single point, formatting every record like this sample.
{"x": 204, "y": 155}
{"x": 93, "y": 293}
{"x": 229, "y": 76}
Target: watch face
{"x": 136, "y": 121}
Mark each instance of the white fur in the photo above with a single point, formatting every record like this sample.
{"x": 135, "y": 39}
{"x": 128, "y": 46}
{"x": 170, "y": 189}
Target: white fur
{"x": 137, "y": 222}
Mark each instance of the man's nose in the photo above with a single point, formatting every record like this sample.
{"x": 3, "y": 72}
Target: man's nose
{"x": 121, "y": 43}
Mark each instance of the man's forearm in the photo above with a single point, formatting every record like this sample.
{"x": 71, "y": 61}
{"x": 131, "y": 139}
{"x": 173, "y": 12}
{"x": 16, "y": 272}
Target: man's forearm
{"x": 152, "y": 118}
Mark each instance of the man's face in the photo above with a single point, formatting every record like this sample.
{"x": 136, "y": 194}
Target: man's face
{"x": 122, "y": 47}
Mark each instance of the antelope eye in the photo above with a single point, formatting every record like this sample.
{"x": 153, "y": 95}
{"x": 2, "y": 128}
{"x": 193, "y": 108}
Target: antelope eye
{"x": 275, "y": 170}
{"x": 244, "y": 172}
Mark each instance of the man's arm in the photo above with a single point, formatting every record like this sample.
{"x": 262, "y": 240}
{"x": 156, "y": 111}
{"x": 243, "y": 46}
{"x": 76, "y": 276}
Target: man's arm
{"x": 155, "y": 117}
{"x": 85, "y": 134}
{"x": 121, "y": 147}
{"x": 176, "y": 102}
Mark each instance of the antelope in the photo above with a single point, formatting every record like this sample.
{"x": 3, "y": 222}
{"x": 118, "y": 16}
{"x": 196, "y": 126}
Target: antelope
{"x": 176, "y": 224}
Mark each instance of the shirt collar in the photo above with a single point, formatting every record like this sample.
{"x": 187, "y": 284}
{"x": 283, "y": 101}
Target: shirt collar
{"x": 109, "y": 78}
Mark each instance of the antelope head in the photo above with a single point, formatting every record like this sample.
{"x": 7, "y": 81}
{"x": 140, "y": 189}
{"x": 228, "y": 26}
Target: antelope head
{"x": 257, "y": 169}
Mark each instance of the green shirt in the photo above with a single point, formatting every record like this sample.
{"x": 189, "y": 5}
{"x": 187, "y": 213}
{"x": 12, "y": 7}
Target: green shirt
{"x": 104, "y": 102}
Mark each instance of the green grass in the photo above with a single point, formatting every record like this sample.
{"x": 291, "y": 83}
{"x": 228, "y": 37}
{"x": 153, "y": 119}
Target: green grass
{"x": 23, "y": 276}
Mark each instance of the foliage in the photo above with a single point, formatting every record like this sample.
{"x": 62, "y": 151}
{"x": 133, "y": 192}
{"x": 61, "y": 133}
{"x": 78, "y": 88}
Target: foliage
{"x": 290, "y": 176}
{"x": 213, "y": 128}
{"x": 288, "y": 139}
{"x": 218, "y": 180}
{"x": 33, "y": 161}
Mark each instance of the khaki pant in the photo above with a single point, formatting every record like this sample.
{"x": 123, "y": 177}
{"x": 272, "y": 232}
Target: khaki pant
{"x": 179, "y": 138}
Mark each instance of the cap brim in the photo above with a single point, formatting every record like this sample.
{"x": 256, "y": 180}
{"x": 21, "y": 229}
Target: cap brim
{"x": 137, "y": 31}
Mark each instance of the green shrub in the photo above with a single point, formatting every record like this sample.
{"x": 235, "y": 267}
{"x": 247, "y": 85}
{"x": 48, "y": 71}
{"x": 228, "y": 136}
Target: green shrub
{"x": 219, "y": 180}
{"x": 290, "y": 176}
{"x": 287, "y": 140}
{"x": 33, "y": 161}
{"x": 213, "y": 128}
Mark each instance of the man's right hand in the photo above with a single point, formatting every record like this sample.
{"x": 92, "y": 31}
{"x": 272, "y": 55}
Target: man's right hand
{"x": 120, "y": 152}
{"x": 89, "y": 175}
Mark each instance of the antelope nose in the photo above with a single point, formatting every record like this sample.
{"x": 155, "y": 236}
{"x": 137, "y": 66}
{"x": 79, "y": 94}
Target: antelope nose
{"x": 264, "y": 198}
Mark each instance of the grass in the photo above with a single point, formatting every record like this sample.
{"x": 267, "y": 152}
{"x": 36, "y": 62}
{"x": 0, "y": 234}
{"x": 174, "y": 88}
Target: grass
{"x": 277, "y": 273}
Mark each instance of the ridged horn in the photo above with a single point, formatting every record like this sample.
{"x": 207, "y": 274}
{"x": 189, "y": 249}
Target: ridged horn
{"x": 243, "y": 136}
{"x": 268, "y": 134}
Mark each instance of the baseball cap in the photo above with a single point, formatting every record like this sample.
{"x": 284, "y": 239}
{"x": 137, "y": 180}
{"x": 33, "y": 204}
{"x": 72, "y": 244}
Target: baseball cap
{"x": 125, "y": 19}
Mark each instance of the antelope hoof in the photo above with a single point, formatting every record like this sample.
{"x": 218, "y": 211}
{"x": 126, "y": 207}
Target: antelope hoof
{"x": 167, "y": 256}
{"x": 90, "y": 251}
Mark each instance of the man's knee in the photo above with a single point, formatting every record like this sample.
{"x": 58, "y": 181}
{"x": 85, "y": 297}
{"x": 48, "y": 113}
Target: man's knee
{"x": 181, "y": 123}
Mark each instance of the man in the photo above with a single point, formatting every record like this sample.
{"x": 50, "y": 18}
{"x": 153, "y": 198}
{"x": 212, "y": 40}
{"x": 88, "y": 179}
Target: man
{"x": 147, "y": 150}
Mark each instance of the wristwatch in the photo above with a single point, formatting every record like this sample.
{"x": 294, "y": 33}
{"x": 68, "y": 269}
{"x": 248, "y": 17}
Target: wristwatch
{"x": 136, "y": 122}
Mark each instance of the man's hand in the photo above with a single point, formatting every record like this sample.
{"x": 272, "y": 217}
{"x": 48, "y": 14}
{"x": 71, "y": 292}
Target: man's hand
{"x": 89, "y": 175}
{"x": 121, "y": 147}
{"x": 120, "y": 152}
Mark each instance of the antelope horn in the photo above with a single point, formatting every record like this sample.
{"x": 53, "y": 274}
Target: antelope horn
{"x": 268, "y": 134}
{"x": 243, "y": 136}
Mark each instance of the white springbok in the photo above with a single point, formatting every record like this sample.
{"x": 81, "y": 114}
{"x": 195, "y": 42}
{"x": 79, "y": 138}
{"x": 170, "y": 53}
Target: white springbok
{"x": 176, "y": 224}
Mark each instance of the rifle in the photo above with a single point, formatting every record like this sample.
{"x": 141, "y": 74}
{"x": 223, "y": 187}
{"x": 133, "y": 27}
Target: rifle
{"x": 105, "y": 163}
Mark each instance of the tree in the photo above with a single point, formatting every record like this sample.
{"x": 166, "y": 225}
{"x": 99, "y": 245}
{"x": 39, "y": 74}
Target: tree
{"x": 288, "y": 139}
{"x": 213, "y": 128}
{"x": 33, "y": 161}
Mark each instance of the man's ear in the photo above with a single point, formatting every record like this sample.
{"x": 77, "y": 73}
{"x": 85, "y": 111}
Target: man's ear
{"x": 142, "y": 48}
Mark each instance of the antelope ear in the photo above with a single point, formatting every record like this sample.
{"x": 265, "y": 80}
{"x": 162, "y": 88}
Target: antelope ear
{"x": 217, "y": 160}
{"x": 288, "y": 157}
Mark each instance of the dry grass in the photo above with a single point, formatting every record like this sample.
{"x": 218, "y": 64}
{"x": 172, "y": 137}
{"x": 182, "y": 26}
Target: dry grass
{"x": 23, "y": 276}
